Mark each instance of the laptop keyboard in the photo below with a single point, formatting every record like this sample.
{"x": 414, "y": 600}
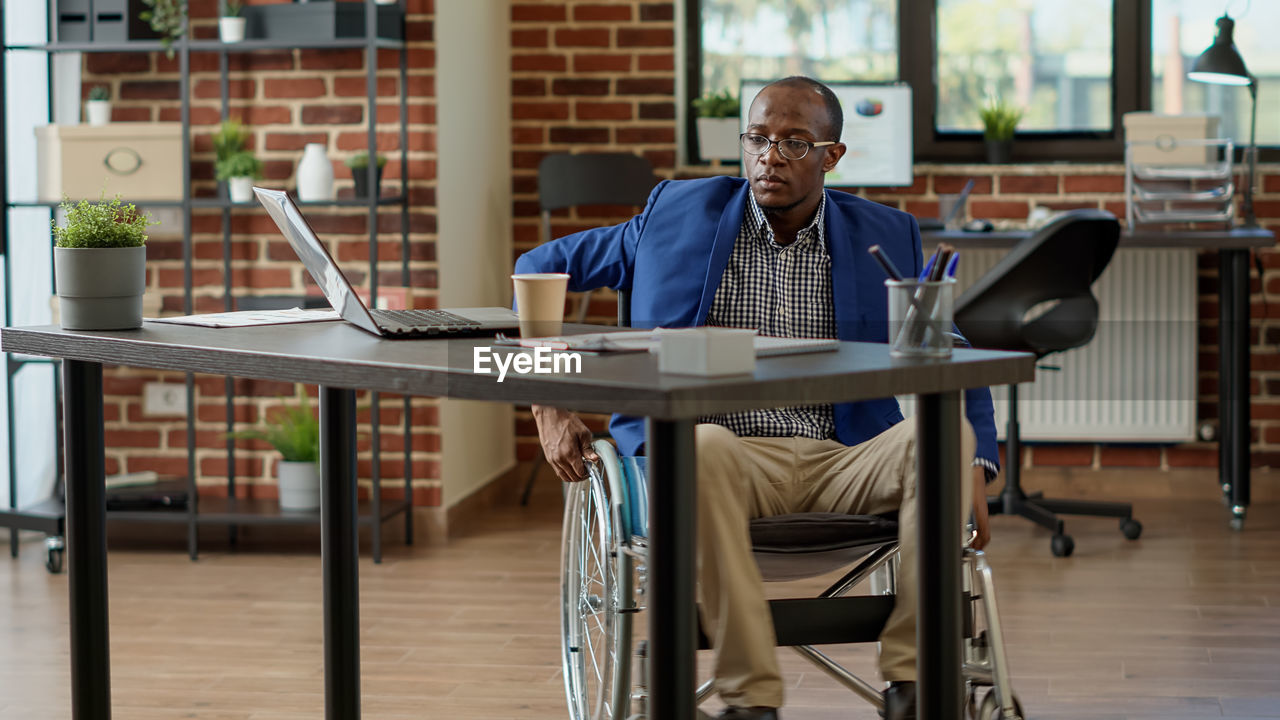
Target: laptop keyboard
{"x": 423, "y": 322}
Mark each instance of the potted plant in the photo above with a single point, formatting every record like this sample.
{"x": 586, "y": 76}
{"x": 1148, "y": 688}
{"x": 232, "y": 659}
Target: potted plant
{"x": 294, "y": 432}
{"x": 359, "y": 165}
{"x": 999, "y": 119}
{"x": 167, "y": 17}
{"x": 239, "y": 171}
{"x": 231, "y": 25}
{"x": 718, "y": 126}
{"x": 233, "y": 163}
{"x": 99, "y": 265}
{"x": 97, "y": 109}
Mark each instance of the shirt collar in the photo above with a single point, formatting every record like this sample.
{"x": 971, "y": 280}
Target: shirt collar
{"x": 761, "y": 229}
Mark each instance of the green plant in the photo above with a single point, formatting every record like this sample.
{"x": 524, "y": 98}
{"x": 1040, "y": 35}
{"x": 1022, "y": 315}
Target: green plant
{"x": 360, "y": 160}
{"x": 232, "y": 8}
{"x": 229, "y": 139}
{"x": 717, "y": 105}
{"x": 101, "y": 224}
{"x": 167, "y": 17}
{"x": 291, "y": 429}
{"x": 999, "y": 119}
{"x": 241, "y": 164}
{"x": 99, "y": 92}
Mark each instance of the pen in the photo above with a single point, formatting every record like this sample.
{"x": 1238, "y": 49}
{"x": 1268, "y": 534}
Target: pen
{"x": 890, "y": 269}
{"x": 951, "y": 266}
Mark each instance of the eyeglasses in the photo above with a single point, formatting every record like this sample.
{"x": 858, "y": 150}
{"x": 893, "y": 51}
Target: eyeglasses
{"x": 789, "y": 148}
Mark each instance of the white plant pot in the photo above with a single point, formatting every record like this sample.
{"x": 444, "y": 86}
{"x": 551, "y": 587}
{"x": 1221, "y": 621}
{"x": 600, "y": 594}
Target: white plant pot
{"x": 240, "y": 189}
{"x": 299, "y": 485}
{"x": 718, "y": 139}
{"x": 97, "y": 112}
{"x": 231, "y": 29}
{"x": 315, "y": 174}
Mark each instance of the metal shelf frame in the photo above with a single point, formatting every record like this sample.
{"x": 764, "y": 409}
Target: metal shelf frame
{"x": 230, "y": 511}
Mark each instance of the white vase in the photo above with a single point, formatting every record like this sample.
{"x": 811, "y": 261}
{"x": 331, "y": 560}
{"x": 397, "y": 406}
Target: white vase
{"x": 240, "y": 189}
{"x": 299, "y": 485}
{"x": 231, "y": 29}
{"x": 315, "y": 174}
{"x": 718, "y": 139}
{"x": 98, "y": 112}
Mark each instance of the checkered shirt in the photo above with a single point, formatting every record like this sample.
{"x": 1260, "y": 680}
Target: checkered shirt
{"x": 784, "y": 291}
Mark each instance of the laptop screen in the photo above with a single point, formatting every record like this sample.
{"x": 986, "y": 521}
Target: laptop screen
{"x": 316, "y": 258}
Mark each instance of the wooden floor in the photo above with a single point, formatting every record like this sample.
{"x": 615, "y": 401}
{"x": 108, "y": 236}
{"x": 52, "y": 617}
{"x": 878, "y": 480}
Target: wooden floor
{"x": 1184, "y": 623}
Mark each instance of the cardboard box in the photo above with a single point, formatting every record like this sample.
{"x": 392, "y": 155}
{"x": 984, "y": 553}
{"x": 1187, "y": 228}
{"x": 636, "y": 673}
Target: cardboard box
{"x": 1166, "y": 132}
{"x": 139, "y": 161}
{"x": 706, "y": 351}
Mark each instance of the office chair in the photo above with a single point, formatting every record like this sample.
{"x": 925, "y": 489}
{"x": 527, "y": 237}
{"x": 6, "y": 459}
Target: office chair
{"x": 566, "y": 181}
{"x": 1038, "y": 299}
{"x": 603, "y": 577}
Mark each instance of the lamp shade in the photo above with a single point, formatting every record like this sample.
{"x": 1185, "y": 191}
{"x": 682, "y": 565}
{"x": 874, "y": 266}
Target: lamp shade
{"x": 1221, "y": 64}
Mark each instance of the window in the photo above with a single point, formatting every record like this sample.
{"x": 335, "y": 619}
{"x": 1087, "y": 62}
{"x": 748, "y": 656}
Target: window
{"x": 1182, "y": 29}
{"x": 1048, "y": 57}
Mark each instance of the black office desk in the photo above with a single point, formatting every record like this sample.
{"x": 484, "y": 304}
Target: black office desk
{"x": 340, "y": 357}
{"x": 1233, "y": 248}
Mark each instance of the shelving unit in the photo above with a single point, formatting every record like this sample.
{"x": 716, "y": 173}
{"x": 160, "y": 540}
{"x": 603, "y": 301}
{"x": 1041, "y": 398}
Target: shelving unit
{"x": 47, "y": 516}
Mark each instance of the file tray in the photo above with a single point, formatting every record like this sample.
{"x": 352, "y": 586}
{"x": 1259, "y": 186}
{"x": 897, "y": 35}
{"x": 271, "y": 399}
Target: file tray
{"x": 1163, "y": 185}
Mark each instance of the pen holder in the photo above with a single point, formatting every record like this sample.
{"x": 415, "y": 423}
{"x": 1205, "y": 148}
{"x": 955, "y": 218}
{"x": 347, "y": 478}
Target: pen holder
{"x": 921, "y": 315}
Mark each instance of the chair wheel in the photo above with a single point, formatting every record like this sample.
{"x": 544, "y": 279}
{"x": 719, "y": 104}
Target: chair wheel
{"x": 53, "y": 561}
{"x": 991, "y": 710}
{"x": 1131, "y": 528}
{"x": 1062, "y": 545}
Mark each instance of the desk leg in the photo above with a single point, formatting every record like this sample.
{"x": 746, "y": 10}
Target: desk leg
{"x": 940, "y": 689}
{"x": 340, "y": 554}
{"x": 86, "y": 540}
{"x": 672, "y": 539}
{"x": 1233, "y": 380}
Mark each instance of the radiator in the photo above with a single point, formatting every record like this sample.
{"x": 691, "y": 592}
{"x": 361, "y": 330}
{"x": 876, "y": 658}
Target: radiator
{"x": 1136, "y": 381}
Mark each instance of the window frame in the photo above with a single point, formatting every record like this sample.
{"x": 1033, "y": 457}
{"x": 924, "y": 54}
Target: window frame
{"x": 1131, "y": 84}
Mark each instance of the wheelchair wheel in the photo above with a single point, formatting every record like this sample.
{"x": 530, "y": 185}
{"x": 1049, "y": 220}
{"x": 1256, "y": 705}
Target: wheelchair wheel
{"x": 990, "y": 709}
{"x": 595, "y": 585}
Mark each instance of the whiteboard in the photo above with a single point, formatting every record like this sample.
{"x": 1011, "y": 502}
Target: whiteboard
{"x": 877, "y": 131}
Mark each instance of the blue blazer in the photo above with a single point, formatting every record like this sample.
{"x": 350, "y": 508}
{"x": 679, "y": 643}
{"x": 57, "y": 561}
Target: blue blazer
{"x": 672, "y": 255}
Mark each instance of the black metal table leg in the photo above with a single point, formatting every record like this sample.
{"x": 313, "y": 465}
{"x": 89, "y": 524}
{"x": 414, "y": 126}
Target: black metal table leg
{"x": 1233, "y": 379}
{"x": 339, "y": 553}
{"x": 86, "y": 544}
{"x": 672, "y": 612}
{"x": 940, "y": 688}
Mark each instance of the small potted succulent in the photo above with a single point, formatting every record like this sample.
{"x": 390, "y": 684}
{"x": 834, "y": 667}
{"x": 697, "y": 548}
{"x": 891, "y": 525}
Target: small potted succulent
{"x": 239, "y": 171}
{"x": 97, "y": 108}
{"x": 359, "y": 165}
{"x": 230, "y": 24}
{"x": 167, "y": 17}
{"x": 294, "y": 432}
{"x": 718, "y": 126}
{"x": 999, "y": 120}
{"x": 233, "y": 163}
{"x": 99, "y": 264}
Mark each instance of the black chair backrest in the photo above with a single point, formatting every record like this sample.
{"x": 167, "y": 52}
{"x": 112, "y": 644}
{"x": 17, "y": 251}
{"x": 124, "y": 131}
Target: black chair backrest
{"x": 1053, "y": 272}
{"x": 594, "y": 179}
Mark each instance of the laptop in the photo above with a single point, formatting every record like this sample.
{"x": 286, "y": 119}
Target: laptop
{"x": 452, "y": 322}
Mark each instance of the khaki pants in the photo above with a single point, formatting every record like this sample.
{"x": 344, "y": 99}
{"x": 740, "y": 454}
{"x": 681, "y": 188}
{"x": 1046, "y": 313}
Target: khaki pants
{"x": 742, "y": 478}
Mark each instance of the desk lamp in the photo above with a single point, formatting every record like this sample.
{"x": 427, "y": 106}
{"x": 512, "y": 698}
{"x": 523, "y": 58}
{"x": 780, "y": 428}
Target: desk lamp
{"x": 1221, "y": 64}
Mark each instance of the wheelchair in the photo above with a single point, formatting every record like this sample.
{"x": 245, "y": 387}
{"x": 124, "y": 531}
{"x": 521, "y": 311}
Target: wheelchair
{"x": 603, "y": 579}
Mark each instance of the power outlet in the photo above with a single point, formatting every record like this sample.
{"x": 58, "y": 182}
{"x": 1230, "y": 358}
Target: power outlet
{"x": 165, "y": 399}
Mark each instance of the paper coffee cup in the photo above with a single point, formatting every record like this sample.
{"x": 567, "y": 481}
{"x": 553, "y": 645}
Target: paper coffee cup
{"x": 540, "y": 302}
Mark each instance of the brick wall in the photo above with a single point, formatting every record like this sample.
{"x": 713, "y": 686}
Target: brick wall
{"x": 594, "y": 76}
{"x": 286, "y": 99}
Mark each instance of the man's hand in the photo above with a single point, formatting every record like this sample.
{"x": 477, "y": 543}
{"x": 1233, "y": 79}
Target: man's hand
{"x": 565, "y": 442}
{"x": 980, "y": 521}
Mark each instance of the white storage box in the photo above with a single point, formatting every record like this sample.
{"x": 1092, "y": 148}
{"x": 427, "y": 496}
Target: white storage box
{"x": 706, "y": 351}
{"x": 138, "y": 161}
{"x": 1165, "y": 131}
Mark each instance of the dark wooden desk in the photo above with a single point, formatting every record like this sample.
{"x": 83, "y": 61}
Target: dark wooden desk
{"x": 341, "y": 358}
{"x": 1233, "y": 248}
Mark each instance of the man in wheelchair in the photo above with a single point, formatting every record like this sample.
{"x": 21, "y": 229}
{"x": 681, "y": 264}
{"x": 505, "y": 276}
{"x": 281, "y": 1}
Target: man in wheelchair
{"x": 776, "y": 252}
